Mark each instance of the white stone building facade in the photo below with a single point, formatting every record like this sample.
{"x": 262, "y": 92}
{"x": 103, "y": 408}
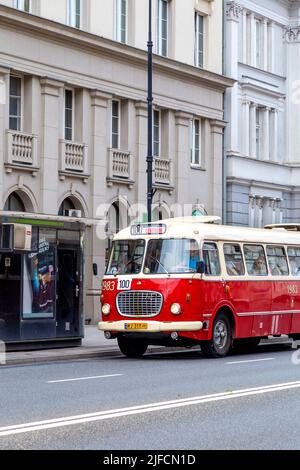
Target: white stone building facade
{"x": 263, "y": 111}
{"x": 73, "y": 111}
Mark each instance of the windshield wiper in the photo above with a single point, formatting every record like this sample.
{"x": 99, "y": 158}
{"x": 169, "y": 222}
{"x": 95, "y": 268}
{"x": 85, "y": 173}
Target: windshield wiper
{"x": 160, "y": 264}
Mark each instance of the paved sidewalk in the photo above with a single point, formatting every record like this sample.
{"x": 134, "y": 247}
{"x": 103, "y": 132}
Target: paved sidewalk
{"x": 93, "y": 345}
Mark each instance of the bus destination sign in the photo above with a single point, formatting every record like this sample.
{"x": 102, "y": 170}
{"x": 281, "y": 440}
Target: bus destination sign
{"x": 145, "y": 229}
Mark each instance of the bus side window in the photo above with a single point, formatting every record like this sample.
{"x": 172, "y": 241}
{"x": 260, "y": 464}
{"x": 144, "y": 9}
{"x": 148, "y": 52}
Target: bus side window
{"x": 234, "y": 260}
{"x": 211, "y": 259}
{"x": 255, "y": 260}
{"x": 294, "y": 258}
{"x": 277, "y": 261}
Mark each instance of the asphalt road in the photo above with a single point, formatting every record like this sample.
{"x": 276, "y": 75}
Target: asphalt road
{"x": 174, "y": 401}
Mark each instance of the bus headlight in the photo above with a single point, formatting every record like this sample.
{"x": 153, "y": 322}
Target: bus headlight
{"x": 175, "y": 309}
{"x": 106, "y": 309}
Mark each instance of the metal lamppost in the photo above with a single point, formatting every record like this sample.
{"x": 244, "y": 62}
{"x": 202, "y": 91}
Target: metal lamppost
{"x": 150, "y": 119}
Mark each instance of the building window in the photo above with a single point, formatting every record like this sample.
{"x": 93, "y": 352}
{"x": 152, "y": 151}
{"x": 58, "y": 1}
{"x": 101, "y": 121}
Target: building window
{"x": 66, "y": 206}
{"x": 196, "y": 139}
{"x": 14, "y": 204}
{"x": 23, "y": 5}
{"x": 199, "y": 40}
{"x": 15, "y": 103}
{"x": 69, "y": 114}
{"x": 156, "y": 133}
{"x": 115, "y": 125}
{"x": 121, "y": 20}
{"x": 162, "y": 28}
{"x": 74, "y": 13}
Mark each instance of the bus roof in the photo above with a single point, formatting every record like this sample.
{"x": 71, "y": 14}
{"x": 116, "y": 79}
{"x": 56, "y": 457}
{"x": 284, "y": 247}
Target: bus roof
{"x": 205, "y": 228}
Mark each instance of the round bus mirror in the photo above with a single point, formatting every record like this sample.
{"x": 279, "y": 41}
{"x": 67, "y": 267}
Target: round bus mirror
{"x": 201, "y": 267}
{"x": 95, "y": 269}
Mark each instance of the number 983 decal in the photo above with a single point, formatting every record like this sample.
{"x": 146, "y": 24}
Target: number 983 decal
{"x": 108, "y": 286}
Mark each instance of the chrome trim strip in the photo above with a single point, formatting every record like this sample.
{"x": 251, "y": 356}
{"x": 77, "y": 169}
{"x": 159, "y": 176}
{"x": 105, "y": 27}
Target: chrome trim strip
{"x": 152, "y": 326}
{"x": 277, "y": 312}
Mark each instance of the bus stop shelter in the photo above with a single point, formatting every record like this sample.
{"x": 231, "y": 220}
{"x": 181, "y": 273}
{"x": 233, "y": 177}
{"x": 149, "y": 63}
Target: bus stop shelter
{"x": 41, "y": 280}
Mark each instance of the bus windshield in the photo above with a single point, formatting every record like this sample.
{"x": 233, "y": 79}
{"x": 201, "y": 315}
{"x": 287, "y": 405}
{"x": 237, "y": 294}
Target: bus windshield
{"x": 172, "y": 256}
{"x": 126, "y": 257}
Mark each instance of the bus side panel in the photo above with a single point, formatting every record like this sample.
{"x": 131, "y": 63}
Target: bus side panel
{"x": 281, "y": 302}
{"x": 237, "y": 294}
{"x": 295, "y": 304}
{"x": 260, "y": 298}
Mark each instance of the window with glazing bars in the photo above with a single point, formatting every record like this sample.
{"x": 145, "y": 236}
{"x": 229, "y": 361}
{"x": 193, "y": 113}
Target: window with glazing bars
{"x": 23, "y": 5}
{"x": 115, "y": 125}
{"x": 15, "y": 103}
{"x": 196, "y": 142}
{"x": 74, "y": 14}
{"x": 69, "y": 108}
{"x": 121, "y": 12}
{"x": 199, "y": 40}
{"x": 162, "y": 27}
{"x": 156, "y": 133}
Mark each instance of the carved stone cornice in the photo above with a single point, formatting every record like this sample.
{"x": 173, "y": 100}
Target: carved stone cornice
{"x": 234, "y": 11}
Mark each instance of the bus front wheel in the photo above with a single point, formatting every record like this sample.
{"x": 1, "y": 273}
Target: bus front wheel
{"x": 132, "y": 347}
{"x": 220, "y": 344}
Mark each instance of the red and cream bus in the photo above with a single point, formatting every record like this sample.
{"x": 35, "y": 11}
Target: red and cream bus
{"x": 190, "y": 281}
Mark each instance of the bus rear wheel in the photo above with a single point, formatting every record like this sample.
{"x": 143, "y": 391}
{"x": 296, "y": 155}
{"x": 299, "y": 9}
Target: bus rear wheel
{"x": 220, "y": 344}
{"x": 132, "y": 347}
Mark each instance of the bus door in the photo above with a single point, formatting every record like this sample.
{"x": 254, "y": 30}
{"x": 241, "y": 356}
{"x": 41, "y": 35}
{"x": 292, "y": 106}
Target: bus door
{"x": 259, "y": 289}
{"x": 237, "y": 287}
{"x": 282, "y": 291}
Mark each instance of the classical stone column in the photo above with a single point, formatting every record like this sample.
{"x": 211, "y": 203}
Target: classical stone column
{"x": 96, "y": 242}
{"x": 234, "y": 11}
{"x": 49, "y": 144}
{"x": 271, "y": 58}
{"x": 99, "y": 148}
{"x": 216, "y": 182}
{"x": 265, "y": 44}
{"x": 182, "y": 158}
{"x": 266, "y": 134}
{"x": 141, "y": 153}
{"x": 253, "y": 130}
{"x": 4, "y": 123}
{"x": 245, "y": 36}
{"x": 246, "y": 127}
{"x": 251, "y": 211}
{"x": 274, "y": 135}
{"x": 252, "y": 40}
{"x": 260, "y": 206}
{"x": 293, "y": 94}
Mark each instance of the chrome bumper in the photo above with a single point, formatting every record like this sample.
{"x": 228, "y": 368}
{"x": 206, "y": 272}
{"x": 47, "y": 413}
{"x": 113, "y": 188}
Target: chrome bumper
{"x": 152, "y": 326}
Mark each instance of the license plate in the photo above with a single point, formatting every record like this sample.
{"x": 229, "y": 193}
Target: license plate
{"x": 136, "y": 326}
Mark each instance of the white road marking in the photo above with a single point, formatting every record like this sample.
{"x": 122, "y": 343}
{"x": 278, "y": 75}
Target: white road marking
{"x": 251, "y": 360}
{"x": 84, "y": 378}
{"x": 148, "y": 408}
